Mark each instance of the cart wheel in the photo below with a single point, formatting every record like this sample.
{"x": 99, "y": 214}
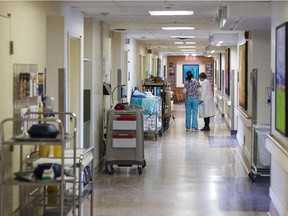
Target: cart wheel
{"x": 109, "y": 169}
{"x": 144, "y": 164}
{"x": 252, "y": 176}
{"x": 140, "y": 170}
{"x": 165, "y": 124}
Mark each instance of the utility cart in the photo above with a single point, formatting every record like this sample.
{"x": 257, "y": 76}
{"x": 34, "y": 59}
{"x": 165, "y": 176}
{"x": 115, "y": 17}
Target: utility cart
{"x": 125, "y": 141}
{"x": 152, "y": 117}
{"x": 64, "y": 182}
{"x": 167, "y": 108}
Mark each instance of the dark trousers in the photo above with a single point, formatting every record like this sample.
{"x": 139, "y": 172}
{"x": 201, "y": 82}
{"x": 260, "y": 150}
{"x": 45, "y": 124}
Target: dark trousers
{"x": 207, "y": 121}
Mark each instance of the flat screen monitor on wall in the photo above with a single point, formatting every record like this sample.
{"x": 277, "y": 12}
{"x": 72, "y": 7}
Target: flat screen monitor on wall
{"x": 194, "y": 68}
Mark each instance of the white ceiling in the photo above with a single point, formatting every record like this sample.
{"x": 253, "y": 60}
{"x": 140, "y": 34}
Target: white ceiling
{"x": 133, "y": 19}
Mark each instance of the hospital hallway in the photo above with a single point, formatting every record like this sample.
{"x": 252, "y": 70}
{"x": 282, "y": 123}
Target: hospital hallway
{"x": 186, "y": 174}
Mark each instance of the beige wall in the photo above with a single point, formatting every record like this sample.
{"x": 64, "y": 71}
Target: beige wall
{"x": 29, "y": 37}
{"x": 28, "y": 31}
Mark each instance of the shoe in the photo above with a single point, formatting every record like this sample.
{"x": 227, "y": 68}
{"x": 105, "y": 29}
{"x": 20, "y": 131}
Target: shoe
{"x": 195, "y": 129}
{"x": 205, "y": 129}
{"x": 187, "y": 129}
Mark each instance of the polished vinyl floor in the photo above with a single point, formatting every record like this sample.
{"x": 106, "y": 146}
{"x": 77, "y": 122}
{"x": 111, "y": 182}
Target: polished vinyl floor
{"x": 187, "y": 174}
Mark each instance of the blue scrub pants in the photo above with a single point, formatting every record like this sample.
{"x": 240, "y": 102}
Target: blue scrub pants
{"x": 191, "y": 107}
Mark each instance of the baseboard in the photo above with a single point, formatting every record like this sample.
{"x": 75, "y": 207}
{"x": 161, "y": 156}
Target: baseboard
{"x": 272, "y": 211}
{"x": 281, "y": 211}
{"x": 245, "y": 161}
{"x": 100, "y": 166}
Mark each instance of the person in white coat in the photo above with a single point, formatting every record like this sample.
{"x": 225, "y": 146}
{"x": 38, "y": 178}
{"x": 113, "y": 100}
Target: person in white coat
{"x": 206, "y": 108}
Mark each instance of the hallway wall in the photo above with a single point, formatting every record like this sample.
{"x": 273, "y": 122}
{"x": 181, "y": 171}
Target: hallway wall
{"x": 276, "y": 143}
{"x": 257, "y": 59}
{"x": 33, "y": 44}
{"x": 29, "y": 37}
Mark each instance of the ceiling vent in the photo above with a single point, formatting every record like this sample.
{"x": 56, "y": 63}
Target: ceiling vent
{"x": 221, "y": 18}
{"x": 182, "y": 37}
{"x": 224, "y": 39}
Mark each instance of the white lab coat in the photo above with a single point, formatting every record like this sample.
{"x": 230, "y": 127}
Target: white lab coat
{"x": 206, "y": 108}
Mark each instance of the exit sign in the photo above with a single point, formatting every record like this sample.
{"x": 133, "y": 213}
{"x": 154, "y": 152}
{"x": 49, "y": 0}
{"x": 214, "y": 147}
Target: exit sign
{"x": 190, "y": 57}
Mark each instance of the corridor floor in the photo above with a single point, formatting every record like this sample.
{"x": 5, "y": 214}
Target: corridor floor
{"x": 187, "y": 174}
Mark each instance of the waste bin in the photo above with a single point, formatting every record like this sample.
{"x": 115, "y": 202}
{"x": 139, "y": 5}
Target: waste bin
{"x": 261, "y": 158}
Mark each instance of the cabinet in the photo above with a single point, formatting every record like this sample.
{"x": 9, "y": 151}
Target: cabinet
{"x": 62, "y": 195}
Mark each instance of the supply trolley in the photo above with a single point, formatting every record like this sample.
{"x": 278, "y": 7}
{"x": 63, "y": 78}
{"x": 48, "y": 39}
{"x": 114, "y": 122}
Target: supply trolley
{"x": 152, "y": 117}
{"x": 159, "y": 89}
{"x": 260, "y": 155}
{"x": 168, "y": 107}
{"x": 52, "y": 173}
{"x": 125, "y": 141}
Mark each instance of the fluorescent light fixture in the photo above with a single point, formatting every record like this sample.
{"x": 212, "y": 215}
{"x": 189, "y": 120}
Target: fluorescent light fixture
{"x": 187, "y": 50}
{"x": 190, "y": 54}
{"x": 171, "y": 13}
{"x": 186, "y": 47}
{"x": 219, "y": 43}
{"x": 213, "y": 51}
{"x": 182, "y": 37}
{"x": 178, "y": 42}
{"x": 177, "y": 28}
{"x": 190, "y": 42}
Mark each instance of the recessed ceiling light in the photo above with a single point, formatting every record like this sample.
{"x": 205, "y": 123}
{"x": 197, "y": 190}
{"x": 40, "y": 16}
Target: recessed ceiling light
{"x": 171, "y": 13}
{"x": 178, "y": 28}
{"x": 186, "y": 47}
{"x": 190, "y": 42}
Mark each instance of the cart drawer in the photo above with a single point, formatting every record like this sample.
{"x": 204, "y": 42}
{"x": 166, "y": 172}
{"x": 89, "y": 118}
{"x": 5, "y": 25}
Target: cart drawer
{"x": 125, "y": 117}
{"x": 124, "y": 143}
{"x": 124, "y": 125}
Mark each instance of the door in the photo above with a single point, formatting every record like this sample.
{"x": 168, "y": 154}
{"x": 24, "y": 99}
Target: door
{"x": 75, "y": 87}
